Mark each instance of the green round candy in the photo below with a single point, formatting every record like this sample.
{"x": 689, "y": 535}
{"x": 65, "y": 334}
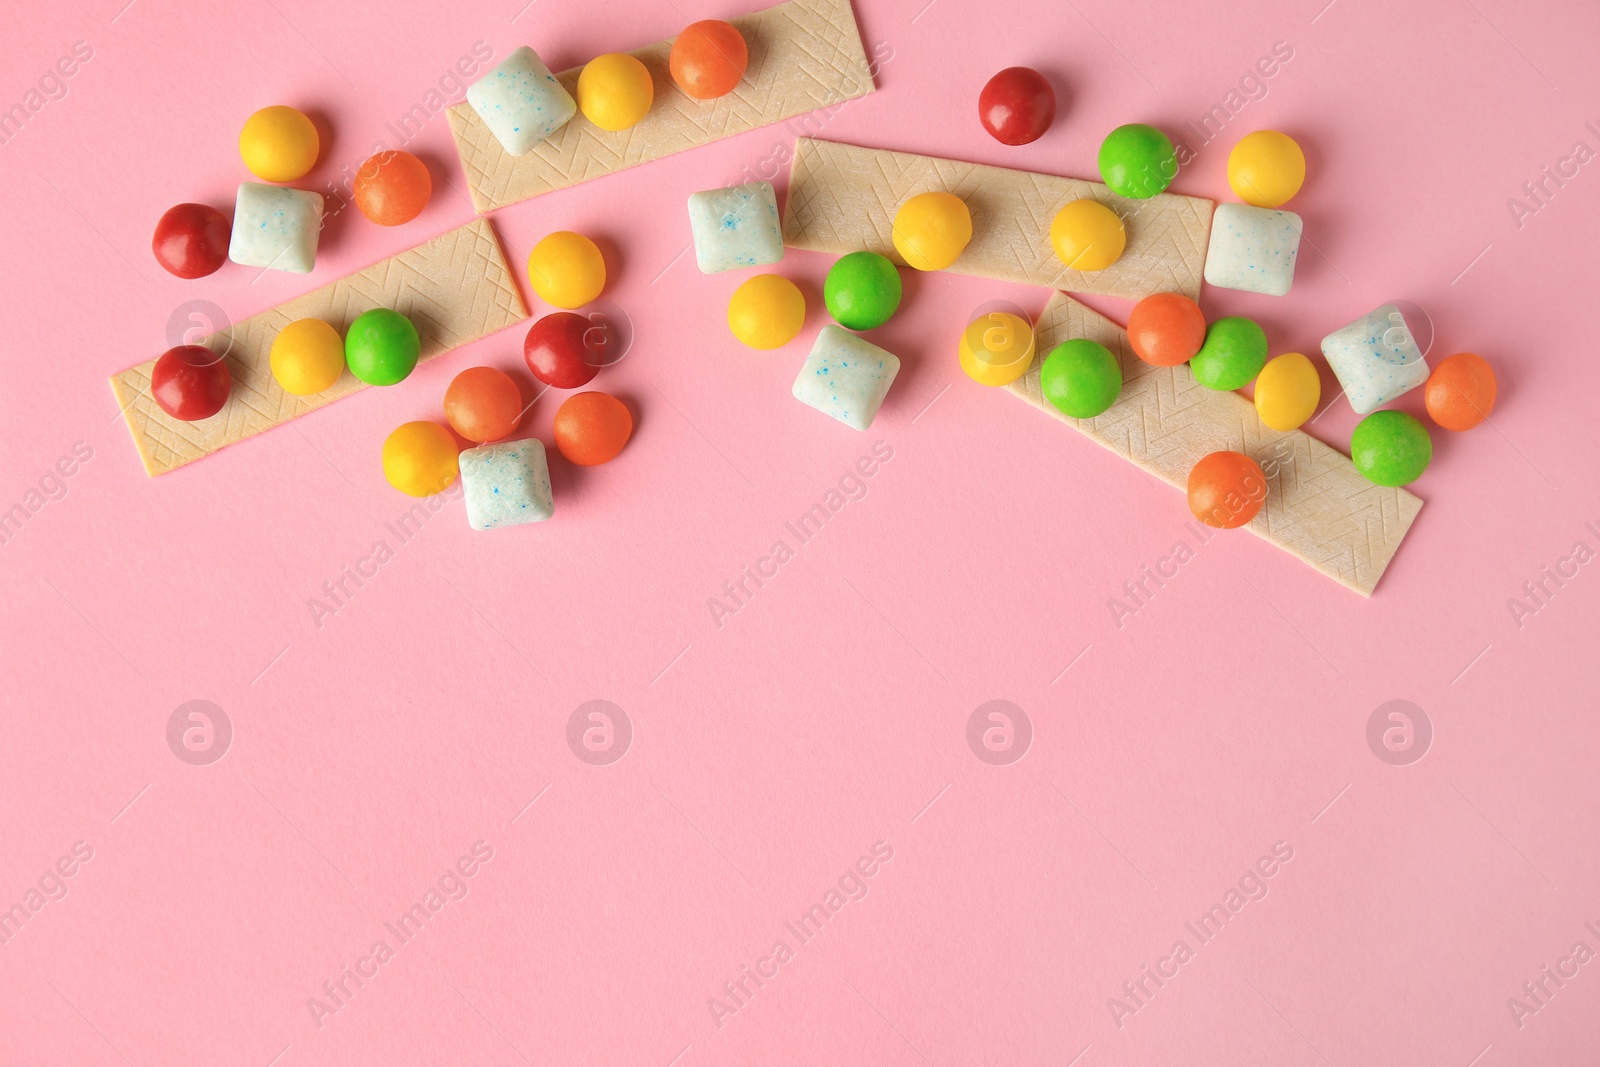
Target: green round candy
{"x": 1391, "y": 448}
{"x": 381, "y": 347}
{"x": 1081, "y": 378}
{"x": 1234, "y": 352}
{"x": 862, "y": 290}
{"x": 1137, "y": 161}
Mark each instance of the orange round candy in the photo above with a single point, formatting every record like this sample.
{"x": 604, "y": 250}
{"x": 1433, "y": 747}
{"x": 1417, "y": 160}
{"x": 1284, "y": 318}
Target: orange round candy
{"x": 483, "y": 404}
{"x": 1461, "y": 391}
{"x": 1226, "y": 489}
{"x": 392, "y": 187}
{"x": 591, "y": 428}
{"x": 708, "y": 59}
{"x": 1166, "y": 329}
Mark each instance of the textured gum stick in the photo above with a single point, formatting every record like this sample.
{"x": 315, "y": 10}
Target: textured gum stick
{"x": 843, "y": 198}
{"x": 1318, "y": 507}
{"x": 455, "y": 289}
{"x": 804, "y": 55}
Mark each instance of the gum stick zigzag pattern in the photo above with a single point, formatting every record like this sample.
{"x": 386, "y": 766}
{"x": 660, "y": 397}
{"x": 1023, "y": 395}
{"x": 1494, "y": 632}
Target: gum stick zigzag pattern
{"x": 843, "y": 198}
{"x": 1317, "y": 508}
{"x": 455, "y": 289}
{"x": 804, "y": 55}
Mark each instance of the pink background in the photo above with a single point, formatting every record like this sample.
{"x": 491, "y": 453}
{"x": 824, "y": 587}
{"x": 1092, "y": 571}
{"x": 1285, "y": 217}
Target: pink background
{"x": 829, "y": 713}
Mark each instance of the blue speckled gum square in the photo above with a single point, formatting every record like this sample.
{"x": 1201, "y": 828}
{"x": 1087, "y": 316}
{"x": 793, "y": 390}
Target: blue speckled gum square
{"x": 846, "y": 377}
{"x": 736, "y": 227}
{"x": 1253, "y": 249}
{"x": 276, "y": 227}
{"x": 1376, "y": 359}
{"x": 521, "y": 102}
{"x": 506, "y": 484}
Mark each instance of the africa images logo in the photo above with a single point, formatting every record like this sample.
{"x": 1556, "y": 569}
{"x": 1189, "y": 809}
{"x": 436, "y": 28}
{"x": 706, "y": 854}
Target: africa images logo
{"x": 999, "y": 732}
{"x": 599, "y": 732}
{"x": 1399, "y": 732}
{"x": 199, "y": 732}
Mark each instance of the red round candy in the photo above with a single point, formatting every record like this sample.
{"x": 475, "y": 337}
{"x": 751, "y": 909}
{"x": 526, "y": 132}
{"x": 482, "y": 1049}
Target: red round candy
{"x": 191, "y": 240}
{"x": 190, "y": 382}
{"x": 1017, "y": 105}
{"x": 557, "y": 352}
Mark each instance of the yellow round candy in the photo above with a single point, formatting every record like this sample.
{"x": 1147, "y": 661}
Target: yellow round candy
{"x": 1266, "y": 168}
{"x": 931, "y": 230}
{"x": 566, "y": 270}
{"x": 307, "y": 356}
{"x": 279, "y": 144}
{"x": 1087, "y": 235}
{"x": 1287, "y": 391}
{"x": 615, "y": 91}
{"x": 996, "y": 348}
{"x": 419, "y": 459}
{"x": 766, "y": 311}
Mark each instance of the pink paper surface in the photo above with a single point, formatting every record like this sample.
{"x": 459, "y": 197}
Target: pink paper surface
{"x": 825, "y": 722}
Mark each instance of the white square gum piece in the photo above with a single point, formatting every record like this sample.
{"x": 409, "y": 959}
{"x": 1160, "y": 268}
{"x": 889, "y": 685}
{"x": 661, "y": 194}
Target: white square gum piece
{"x": 1253, "y": 249}
{"x": 736, "y": 227}
{"x": 276, "y": 227}
{"x": 521, "y": 102}
{"x": 846, "y": 377}
{"x": 507, "y": 484}
{"x": 1375, "y": 358}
